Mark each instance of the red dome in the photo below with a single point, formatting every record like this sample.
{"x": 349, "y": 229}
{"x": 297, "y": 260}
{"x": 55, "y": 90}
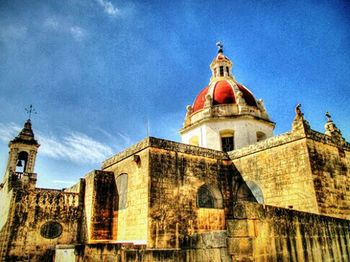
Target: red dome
{"x": 223, "y": 94}
{"x": 200, "y": 99}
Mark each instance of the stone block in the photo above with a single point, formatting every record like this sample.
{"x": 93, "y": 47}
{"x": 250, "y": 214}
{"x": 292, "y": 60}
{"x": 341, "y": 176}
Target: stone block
{"x": 238, "y": 228}
{"x": 240, "y": 246}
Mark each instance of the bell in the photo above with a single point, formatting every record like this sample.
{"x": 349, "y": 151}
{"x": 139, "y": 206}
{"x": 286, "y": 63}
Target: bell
{"x": 19, "y": 163}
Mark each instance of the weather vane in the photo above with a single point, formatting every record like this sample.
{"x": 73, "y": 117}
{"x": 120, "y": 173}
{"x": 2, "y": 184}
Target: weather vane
{"x": 31, "y": 110}
{"x": 329, "y": 117}
{"x": 220, "y": 46}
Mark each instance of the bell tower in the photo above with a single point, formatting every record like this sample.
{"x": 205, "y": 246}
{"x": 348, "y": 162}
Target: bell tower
{"x": 22, "y": 155}
{"x": 23, "y": 150}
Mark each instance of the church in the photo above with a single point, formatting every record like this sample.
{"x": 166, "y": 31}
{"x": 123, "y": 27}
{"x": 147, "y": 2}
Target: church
{"x": 230, "y": 191}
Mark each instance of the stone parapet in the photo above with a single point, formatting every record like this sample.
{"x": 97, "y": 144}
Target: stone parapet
{"x": 265, "y": 145}
{"x": 326, "y": 139}
{"x": 287, "y": 138}
{"x": 163, "y": 144}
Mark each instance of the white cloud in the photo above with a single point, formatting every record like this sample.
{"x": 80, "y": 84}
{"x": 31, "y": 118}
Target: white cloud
{"x": 78, "y": 33}
{"x": 108, "y": 7}
{"x": 8, "y": 132}
{"x": 62, "y": 26}
{"x": 73, "y": 146}
{"x": 51, "y": 23}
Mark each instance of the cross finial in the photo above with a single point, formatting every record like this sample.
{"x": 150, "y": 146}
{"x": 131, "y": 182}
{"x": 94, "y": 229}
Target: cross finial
{"x": 220, "y": 46}
{"x": 31, "y": 110}
{"x": 329, "y": 117}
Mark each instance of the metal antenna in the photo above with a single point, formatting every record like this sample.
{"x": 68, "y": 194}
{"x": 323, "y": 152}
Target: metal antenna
{"x": 148, "y": 133}
{"x": 31, "y": 110}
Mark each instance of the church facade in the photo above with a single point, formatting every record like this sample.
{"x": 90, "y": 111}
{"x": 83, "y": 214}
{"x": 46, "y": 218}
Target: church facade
{"x": 231, "y": 191}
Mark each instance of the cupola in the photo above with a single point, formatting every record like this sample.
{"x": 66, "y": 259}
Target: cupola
{"x": 225, "y": 114}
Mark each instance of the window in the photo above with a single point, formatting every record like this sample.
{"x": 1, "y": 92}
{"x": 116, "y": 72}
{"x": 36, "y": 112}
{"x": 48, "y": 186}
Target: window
{"x": 227, "y": 140}
{"x": 205, "y": 199}
{"x": 260, "y": 136}
{"x": 221, "y": 71}
{"x": 227, "y": 70}
{"x": 227, "y": 143}
{"x": 122, "y": 189}
{"x": 209, "y": 197}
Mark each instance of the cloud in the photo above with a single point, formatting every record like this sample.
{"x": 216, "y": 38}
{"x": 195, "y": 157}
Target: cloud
{"x": 8, "y": 131}
{"x": 73, "y": 146}
{"x": 62, "y": 26}
{"x": 51, "y": 23}
{"x": 109, "y": 8}
{"x": 78, "y": 33}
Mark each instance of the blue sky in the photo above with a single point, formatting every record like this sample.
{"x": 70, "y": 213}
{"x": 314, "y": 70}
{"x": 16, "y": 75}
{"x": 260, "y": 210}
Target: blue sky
{"x": 97, "y": 71}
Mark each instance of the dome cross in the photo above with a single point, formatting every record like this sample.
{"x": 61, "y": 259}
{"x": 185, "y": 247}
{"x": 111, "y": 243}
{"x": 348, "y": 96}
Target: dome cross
{"x": 31, "y": 110}
{"x": 220, "y": 47}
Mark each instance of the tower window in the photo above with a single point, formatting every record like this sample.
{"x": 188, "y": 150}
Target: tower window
{"x": 221, "y": 71}
{"x": 227, "y": 143}
{"x": 227, "y": 70}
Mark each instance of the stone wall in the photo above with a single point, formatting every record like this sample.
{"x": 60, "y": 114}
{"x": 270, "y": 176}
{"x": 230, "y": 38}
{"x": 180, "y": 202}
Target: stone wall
{"x": 205, "y": 247}
{"x": 266, "y": 233}
{"x": 131, "y": 213}
{"x": 280, "y": 167}
{"x": 304, "y": 170}
{"x": 177, "y": 171}
{"x": 330, "y": 167}
{"x": 39, "y": 219}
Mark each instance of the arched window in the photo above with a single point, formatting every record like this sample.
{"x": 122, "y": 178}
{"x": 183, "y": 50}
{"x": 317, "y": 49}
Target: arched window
{"x": 209, "y": 197}
{"x": 194, "y": 141}
{"x": 227, "y": 140}
{"x": 122, "y": 189}
{"x": 221, "y": 70}
{"x": 21, "y": 163}
{"x": 260, "y": 136}
{"x": 256, "y": 190}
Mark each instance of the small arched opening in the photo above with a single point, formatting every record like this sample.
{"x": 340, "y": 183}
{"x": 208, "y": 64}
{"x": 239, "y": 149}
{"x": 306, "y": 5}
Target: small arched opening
{"x": 209, "y": 197}
{"x": 21, "y": 163}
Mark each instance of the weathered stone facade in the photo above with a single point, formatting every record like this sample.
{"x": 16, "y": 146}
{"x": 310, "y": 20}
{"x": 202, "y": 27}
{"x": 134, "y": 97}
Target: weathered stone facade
{"x": 165, "y": 201}
{"x": 303, "y": 169}
{"x": 162, "y": 220}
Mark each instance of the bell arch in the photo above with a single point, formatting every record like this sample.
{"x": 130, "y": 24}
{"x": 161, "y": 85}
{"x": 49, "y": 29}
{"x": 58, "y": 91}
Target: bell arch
{"x": 22, "y": 161}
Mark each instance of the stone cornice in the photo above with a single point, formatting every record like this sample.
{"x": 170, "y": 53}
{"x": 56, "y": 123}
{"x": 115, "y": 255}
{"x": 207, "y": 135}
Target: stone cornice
{"x": 164, "y": 144}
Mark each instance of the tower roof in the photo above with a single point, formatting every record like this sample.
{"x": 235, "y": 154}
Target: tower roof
{"x": 26, "y": 135}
